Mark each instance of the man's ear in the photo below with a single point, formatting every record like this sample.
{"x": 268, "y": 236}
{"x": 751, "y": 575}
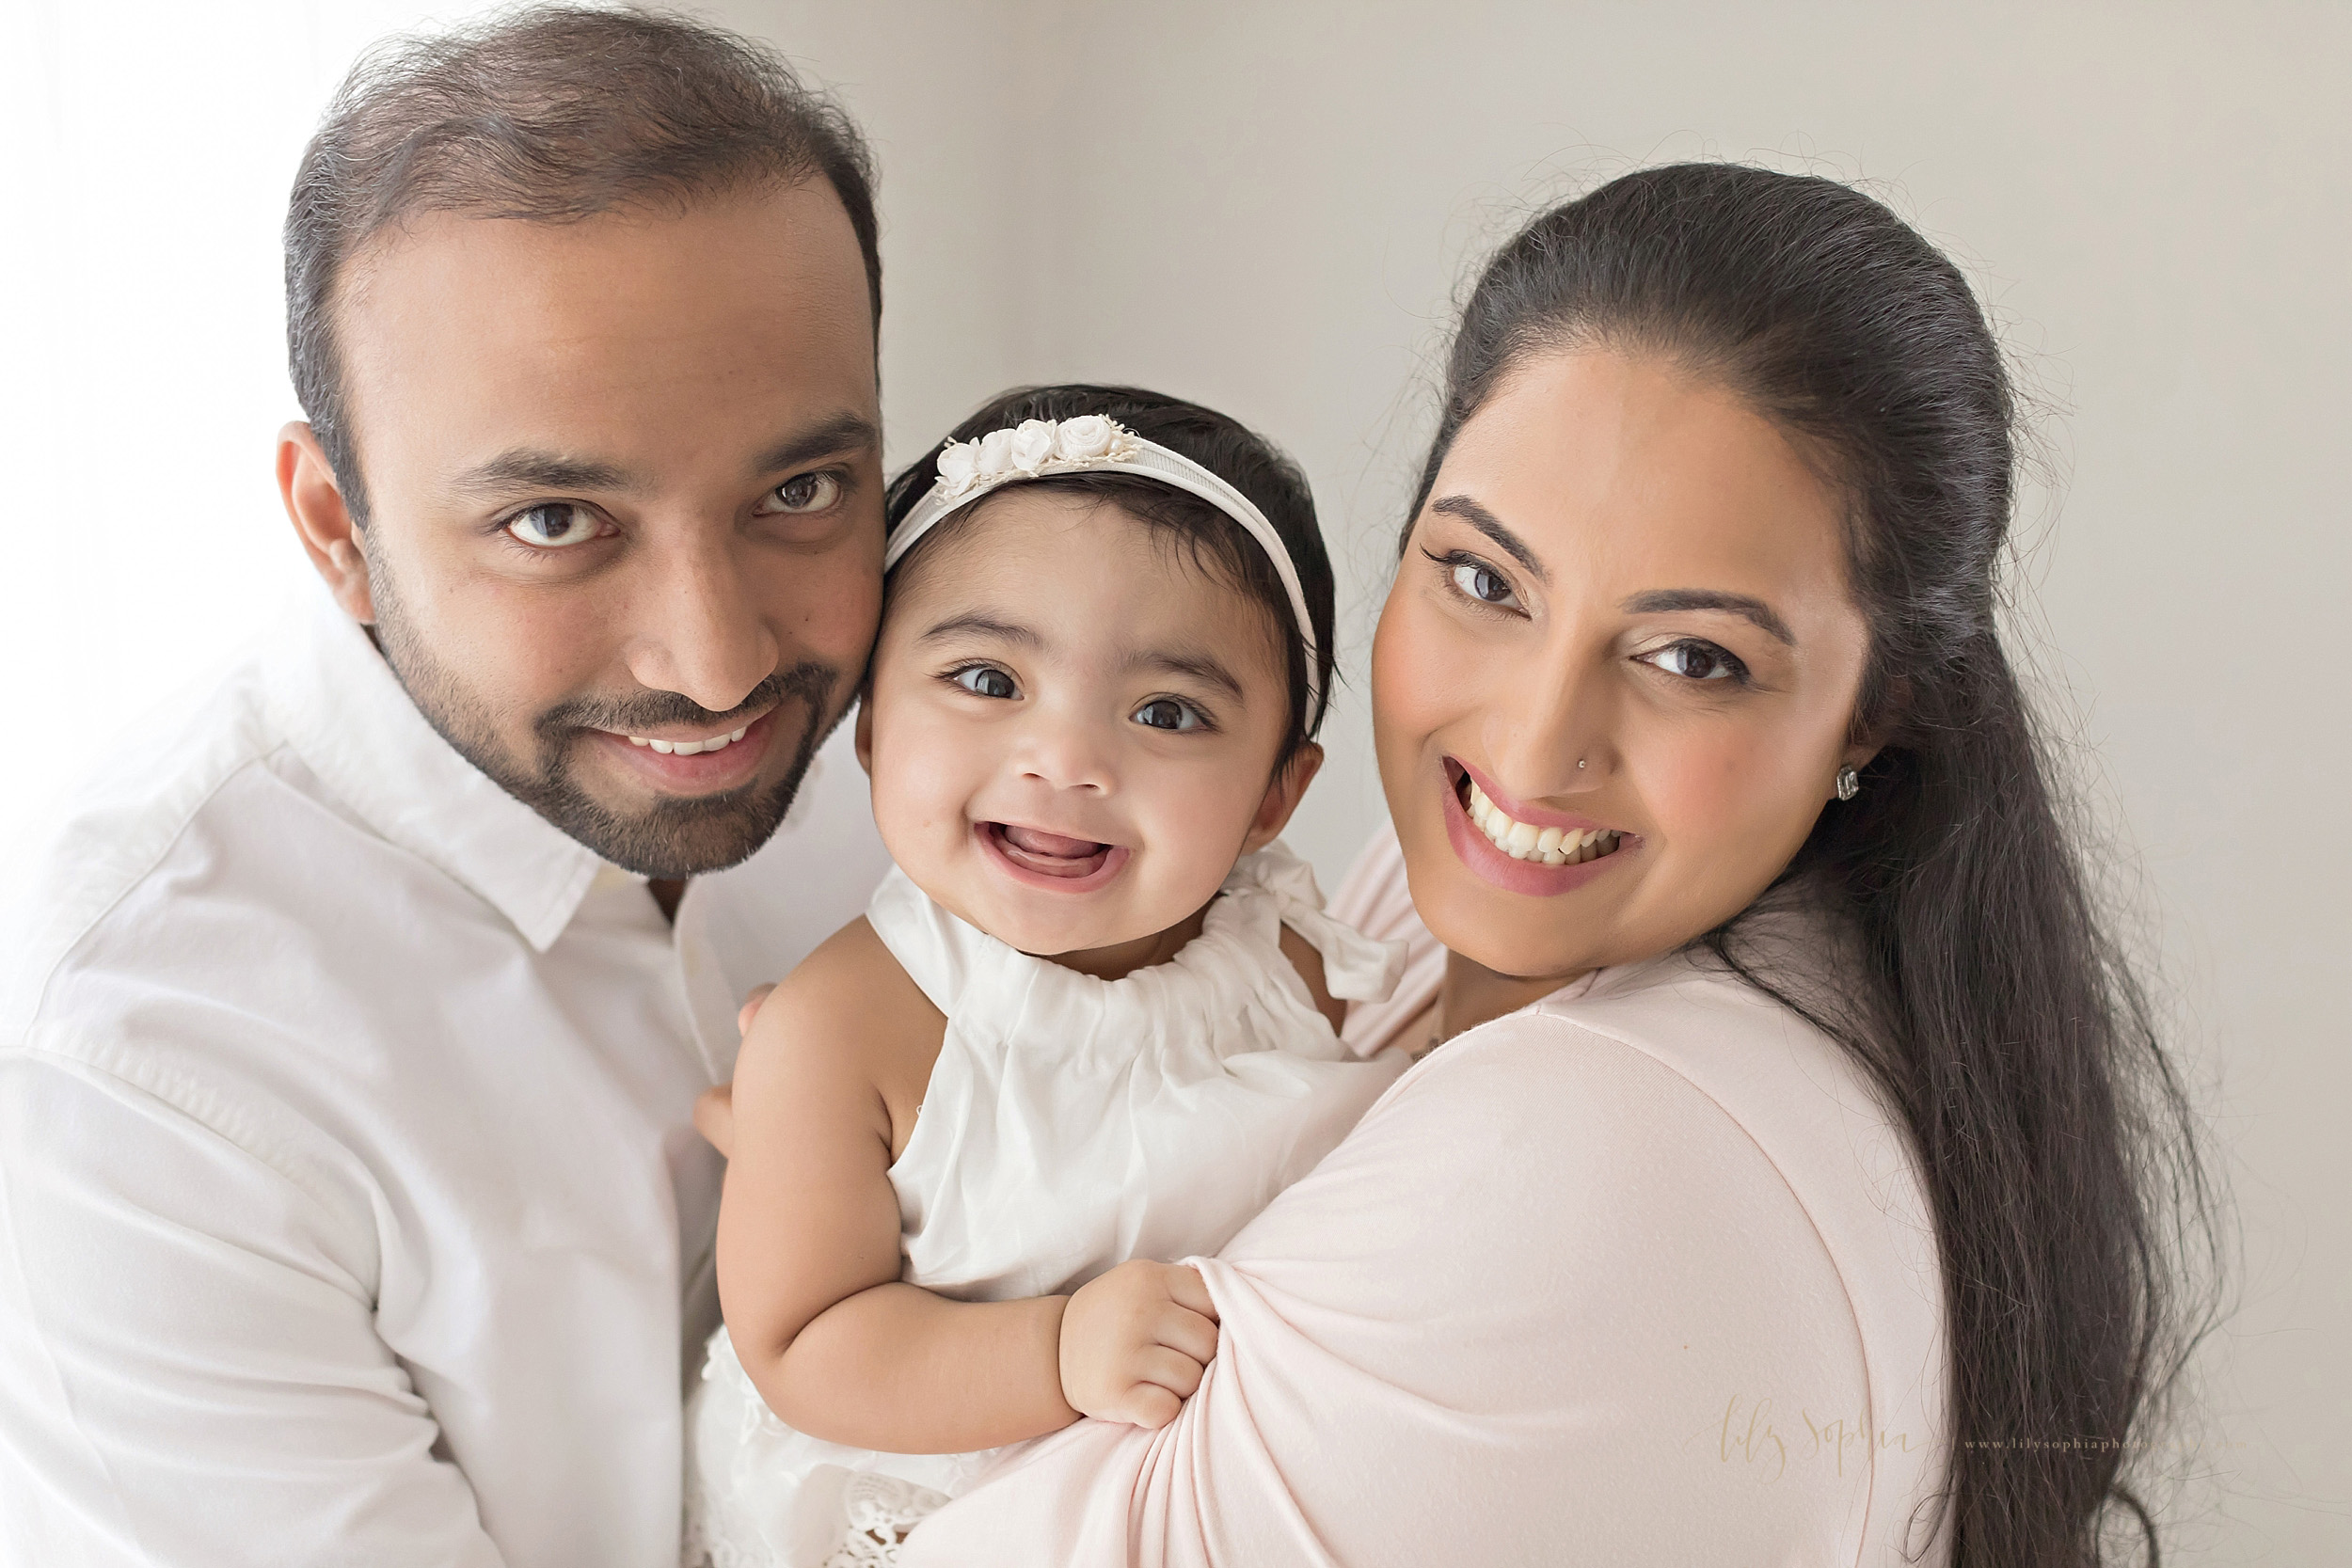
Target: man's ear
{"x": 315, "y": 502}
{"x": 861, "y": 729}
{"x": 1283, "y": 796}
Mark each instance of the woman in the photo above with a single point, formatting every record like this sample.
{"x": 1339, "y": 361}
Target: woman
{"x": 1776, "y": 1186}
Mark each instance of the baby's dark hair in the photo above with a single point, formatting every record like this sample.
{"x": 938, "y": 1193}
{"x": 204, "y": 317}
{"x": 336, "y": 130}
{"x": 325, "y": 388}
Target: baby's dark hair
{"x": 1214, "y": 541}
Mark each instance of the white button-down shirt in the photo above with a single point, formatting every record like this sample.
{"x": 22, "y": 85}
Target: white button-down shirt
{"x": 350, "y": 1208}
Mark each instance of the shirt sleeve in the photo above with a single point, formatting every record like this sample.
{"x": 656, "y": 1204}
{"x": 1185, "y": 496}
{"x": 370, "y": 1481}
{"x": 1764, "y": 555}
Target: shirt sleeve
{"x": 1547, "y": 1304}
{"x": 189, "y": 1371}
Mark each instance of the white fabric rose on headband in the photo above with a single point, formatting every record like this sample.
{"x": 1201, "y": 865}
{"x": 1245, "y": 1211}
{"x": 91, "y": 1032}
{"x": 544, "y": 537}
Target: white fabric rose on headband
{"x": 1032, "y": 446}
{"x": 995, "y": 454}
{"x": 959, "y": 462}
{"x": 1088, "y": 436}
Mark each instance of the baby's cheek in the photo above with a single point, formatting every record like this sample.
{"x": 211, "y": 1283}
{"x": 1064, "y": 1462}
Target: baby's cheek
{"x": 1193, "y": 825}
{"x": 921, "y": 784}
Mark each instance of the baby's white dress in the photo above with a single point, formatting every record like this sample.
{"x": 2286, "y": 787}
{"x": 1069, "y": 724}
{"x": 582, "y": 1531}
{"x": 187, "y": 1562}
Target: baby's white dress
{"x": 1069, "y": 1124}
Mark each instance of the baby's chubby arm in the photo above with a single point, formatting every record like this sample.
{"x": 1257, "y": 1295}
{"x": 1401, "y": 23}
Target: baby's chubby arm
{"x": 832, "y": 1070}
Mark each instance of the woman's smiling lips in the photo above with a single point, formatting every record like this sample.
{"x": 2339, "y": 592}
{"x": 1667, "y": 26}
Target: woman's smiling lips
{"x": 1550, "y": 836}
{"x": 1038, "y": 857}
{"x": 715, "y": 762}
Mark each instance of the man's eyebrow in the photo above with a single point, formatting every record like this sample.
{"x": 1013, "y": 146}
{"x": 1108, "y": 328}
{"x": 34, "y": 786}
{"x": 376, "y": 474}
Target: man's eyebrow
{"x": 844, "y": 431}
{"x": 1491, "y": 526}
{"x": 531, "y": 468}
{"x": 527, "y": 468}
{"x": 1204, "y": 668}
{"x": 1660, "y": 601}
{"x": 982, "y": 625}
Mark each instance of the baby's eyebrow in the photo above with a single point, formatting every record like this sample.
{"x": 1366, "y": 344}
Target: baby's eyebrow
{"x": 982, "y": 625}
{"x": 1201, "y": 667}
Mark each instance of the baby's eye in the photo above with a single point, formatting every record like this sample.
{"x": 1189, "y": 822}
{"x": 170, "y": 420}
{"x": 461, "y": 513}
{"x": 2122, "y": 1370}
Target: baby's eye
{"x": 984, "y": 680}
{"x": 1484, "y": 584}
{"x": 1167, "y": 713}
{"x": 1698, "y": 661}
{"x": 554, "y": 525}
{"x": 802, "y": 493}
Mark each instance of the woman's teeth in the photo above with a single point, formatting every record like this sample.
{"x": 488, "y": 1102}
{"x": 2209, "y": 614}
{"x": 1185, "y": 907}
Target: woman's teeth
{"x": 1524, "y": 841}
{"x": 691, "y": 748}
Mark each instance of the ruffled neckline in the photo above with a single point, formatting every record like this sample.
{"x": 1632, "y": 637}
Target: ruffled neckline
{"x": 1234, "y": 963}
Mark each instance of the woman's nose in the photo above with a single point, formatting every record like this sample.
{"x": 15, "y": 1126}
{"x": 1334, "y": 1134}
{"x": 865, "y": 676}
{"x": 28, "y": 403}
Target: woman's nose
{"x": 1554, "y": 736}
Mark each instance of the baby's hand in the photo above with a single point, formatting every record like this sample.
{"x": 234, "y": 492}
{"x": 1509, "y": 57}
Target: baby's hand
{"x": 1135, "y": 1342}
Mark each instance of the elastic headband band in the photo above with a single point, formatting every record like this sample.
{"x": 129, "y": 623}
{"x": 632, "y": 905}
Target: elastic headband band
{"x": 1035, "y": 449}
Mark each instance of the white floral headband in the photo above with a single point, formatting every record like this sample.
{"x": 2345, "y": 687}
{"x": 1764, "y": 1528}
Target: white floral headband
{"x": 1090, "y": 443}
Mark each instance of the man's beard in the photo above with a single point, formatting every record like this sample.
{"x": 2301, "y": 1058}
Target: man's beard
{"x": 674, "y": 838}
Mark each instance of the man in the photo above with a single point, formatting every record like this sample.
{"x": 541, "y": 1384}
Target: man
{"x": 350, "y": 1208}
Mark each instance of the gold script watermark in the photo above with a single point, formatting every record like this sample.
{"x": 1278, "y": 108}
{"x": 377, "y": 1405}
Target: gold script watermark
{"x": 1750, "y": 1434}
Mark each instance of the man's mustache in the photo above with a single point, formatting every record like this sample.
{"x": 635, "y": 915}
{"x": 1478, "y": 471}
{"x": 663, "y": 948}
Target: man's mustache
{"x": 810, "y": 679}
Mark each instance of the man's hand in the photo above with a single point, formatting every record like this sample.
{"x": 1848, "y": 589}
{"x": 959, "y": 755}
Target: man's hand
{"x": 1135, "y": 1342}
{"x": 714, "y": 1109}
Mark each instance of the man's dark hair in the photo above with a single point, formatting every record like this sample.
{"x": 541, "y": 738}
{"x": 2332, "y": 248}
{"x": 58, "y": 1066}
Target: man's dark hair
{"x": 552, "y": 114}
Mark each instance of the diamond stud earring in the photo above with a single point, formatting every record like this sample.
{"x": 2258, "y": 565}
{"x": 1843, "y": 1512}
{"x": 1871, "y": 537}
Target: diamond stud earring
{"x": 1849, "y": 783}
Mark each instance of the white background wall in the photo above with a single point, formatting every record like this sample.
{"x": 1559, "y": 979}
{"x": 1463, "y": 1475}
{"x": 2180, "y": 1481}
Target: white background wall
{"x": 1270, "y": 207}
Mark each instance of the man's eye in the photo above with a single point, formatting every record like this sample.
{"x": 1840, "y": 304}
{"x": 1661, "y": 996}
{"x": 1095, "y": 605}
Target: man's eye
{"x": 802, "y": 493}
{"x": 554, "y": 525}
{"x": 1483, "y": 584}
{"x": 982, "y": 680}
{"x": 1167, "y": 713}
{"x": 1698, "y": 661}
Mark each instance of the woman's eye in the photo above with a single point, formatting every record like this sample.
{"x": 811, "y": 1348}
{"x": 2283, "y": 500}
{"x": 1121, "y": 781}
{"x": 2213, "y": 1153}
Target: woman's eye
{"x": 554, "y": 525}
{"x": 1482, "y": 583}
{"x": 1698, "y": 661}
{"x": 1167, "y": 713}
{"x": 802, "y": 493}
{"x": 984, "y": 681}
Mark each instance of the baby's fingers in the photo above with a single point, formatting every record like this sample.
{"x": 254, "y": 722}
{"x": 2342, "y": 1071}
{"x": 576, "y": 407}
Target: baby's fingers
{"x": 1171, "y": 1370}
{"x": 1186, "y": 1287}
{"x": 1184, "y": 1330}
{"x": 1148, "y": 1406}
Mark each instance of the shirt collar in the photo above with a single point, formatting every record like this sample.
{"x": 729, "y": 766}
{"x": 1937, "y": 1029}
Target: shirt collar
{"x": 345, "y": 712}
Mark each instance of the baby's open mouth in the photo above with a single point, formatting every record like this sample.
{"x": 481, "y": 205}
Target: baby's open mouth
{"x": 1048, "y": 854}
{"x": 1524, "y": 841}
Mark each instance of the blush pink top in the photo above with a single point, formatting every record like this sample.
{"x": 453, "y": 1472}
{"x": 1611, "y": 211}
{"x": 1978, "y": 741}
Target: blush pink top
{"x": 1640, "y": 1274}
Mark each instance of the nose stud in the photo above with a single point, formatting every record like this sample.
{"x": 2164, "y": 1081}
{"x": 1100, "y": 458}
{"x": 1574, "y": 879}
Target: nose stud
{"x": 1580, "y": 764}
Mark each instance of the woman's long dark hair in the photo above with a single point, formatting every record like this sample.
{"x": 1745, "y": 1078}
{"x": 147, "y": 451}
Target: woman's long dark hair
{"x": 1997, "y": 1010}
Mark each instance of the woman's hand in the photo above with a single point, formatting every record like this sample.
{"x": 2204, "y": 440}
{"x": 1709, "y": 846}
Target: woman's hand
{"x": 714, "y": 1109}
{"x": 1135, "y": 1342}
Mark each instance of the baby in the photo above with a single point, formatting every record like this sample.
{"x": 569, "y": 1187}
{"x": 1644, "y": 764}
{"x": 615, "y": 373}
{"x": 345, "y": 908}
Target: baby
{"x": 1085, "y": 1027}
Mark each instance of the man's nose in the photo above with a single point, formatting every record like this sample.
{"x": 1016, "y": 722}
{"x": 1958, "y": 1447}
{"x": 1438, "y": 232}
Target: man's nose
{"x": 702, "y": 630}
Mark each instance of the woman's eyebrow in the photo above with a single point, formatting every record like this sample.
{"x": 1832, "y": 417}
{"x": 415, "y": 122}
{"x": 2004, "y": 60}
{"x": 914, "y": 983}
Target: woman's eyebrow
{"x": 1660, "y": 601}
{"x": 982, "y": 625}
{"x": 1491, "y": 526}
